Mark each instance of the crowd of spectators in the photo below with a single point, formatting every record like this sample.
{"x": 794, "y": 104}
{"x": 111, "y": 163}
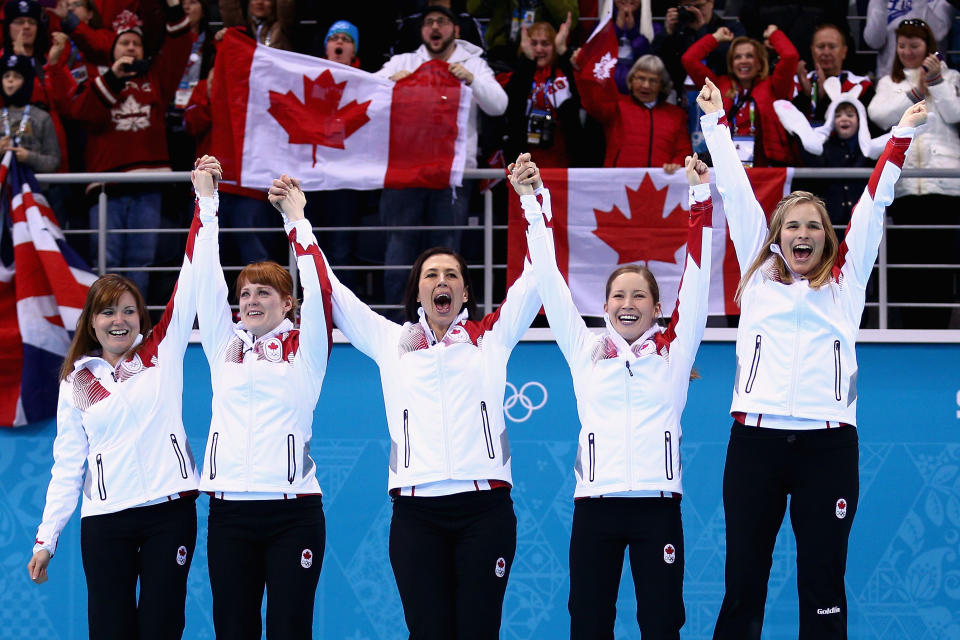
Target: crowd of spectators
{"x": 124, "y": 85}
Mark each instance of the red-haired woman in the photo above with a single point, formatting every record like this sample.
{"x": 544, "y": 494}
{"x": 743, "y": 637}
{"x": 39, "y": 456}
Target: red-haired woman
{"x": 266, "y": 525}
{"x": 631, "y": 384}
{"x": 795, "y": 394}
{"x": 454, "y": 533}
{"x": 119, "y": 414}
{"x": 749, "y": 90}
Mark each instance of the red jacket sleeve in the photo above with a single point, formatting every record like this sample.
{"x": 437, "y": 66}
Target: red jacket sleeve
{"x": 172, "y": 58}
{"x": 781, "y": 80}
{"x": 598, "y": 99}
{"x": 95, "y": 44}
{"x": 681, "y": 143}
{"x": 196, "y": 117}
{"x": 693, "y": 59}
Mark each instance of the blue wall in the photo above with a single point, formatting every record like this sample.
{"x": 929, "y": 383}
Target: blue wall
{"x": 903, "y": 577}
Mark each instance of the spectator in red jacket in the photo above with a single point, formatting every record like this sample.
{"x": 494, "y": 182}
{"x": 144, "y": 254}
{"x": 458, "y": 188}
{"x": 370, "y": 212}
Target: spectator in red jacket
{"x": 749, "y": 91}
{"x": 124, "y": 109}
{"x": 642, "y": 129}
{"x": 82, "y": 22}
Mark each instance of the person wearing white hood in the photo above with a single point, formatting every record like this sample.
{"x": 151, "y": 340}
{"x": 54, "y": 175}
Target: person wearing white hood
{"x": 631, "y": 385}
{"x": 436, "y": 207}
{"x": 794, "y": 409}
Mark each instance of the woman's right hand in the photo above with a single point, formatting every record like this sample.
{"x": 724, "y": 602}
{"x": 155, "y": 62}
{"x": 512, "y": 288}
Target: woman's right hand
{"x": 205, "y": 176}
{"x": 37, "y": 567}
{"x": 524, "y": 175}
{"x": 526, "y": 47}
{"x": 915, "y": 116}
{"x": 697, "y": 170}
{"x": 56, "y": 49}
{"x": 709, "y": 98}
{"x": 287, "y": 197}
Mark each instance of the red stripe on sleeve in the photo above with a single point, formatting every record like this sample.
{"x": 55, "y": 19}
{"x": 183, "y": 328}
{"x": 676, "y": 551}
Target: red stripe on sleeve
{"x": 326, "y": 289}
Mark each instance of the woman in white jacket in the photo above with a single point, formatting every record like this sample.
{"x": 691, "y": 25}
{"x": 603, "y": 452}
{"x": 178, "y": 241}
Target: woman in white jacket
{"x": 794, "y": 404}
{"x": 918, "y": 74}
{"x": 119, "y": 415}
{"x": 266, "y": 526}
{"x": 453, "y": 532}
{"x": 631, "y": 385}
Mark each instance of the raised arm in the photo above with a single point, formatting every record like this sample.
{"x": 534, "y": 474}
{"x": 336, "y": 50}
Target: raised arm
{"x": 782, "y": 77}
{"x": 214, "y": 316}
{"x": 693, "y": 57}
{"x": 316, "y": 313}
{"x": 70, "y": 450}
{"x": 862, "y": 241}
{"x": 689, "y": 318}
{"x": 745, "y": 218}
{"x": 568, "y": 326}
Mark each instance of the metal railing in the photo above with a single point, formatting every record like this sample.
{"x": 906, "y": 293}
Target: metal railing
{"x": 487, "y": 227}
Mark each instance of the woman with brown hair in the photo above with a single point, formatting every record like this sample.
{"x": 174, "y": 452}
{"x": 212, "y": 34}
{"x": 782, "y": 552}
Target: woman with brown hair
{"x": 631, "y": 385}
{"x": 119, "y": 414}
{"x": 454, "y": 532}
{"x": 266, "y": 527}
{"x": 794, "y": 406}
{"x": 749, "y": 90}
{"x": 919, "y": 74}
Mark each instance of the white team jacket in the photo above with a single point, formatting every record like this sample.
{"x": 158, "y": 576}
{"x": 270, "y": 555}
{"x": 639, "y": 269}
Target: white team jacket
{"x": 796, "y": 352}
{"x": 629, "y": 397}
{"x": 124, "y": 424}
{"x": 444, "y": 402}
{"x": 264, "y": 390}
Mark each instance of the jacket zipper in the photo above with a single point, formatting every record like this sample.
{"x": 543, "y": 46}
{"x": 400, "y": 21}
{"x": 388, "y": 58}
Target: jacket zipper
{"x": 443, "y": 415}
{"x": 213, "y": 454}
{"x": 836, "y": 370}
{"x": 101, "y": 482}
{"x": 796, "y": 354}
{"x": 593, "y": 454}
{"x": 629, "y": 434}
{"x": 650, "y": 140}
{"x": 668, "y": 454}
{"x": 753, "y": 365}
{"x": 176, "y": 450}
{"x": 291, "y": 458}
{"x": 486, "y": 429}
{"x": 406, "y": 439}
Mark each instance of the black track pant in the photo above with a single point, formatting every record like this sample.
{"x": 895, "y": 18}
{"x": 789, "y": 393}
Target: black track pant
{"x": 451, "y": 556}
{"x": 603, "y": 528}
{"x": 153, "y": 544}
{"x": 818, "y": 470}
{"x": 274, "y": 543}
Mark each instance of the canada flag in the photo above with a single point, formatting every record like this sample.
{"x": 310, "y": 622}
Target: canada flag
{"x": 604, "y": 218}
{"x": 334, "y": 126}
{"x": 598, "y": 55}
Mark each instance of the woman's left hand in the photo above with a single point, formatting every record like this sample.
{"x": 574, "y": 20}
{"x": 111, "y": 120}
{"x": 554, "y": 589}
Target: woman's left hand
{"x": 931, "y": 67}
{"x": 915, "y": 116}
{"x": 563, "y": 34}
{"x": 288, "y": 198}
{"x": 524, "y": 175}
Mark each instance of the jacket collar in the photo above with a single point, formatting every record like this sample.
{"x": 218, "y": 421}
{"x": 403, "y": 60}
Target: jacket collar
{"x": 248, "y": 339}
{"x": 623, "y": 349}
{"x": 428, "y": 332}
{"x": 91, "y": 359}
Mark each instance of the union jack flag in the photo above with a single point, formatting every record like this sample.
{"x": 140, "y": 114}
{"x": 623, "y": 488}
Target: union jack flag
{"x": 43, "y": 285}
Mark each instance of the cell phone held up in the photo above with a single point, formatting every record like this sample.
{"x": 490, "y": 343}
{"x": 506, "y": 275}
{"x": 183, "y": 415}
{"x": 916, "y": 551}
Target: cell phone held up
{"x": 137, "y": 67}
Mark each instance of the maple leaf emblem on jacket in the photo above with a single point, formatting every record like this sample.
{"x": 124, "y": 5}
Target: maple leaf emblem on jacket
{"x": 130, "y": 115}
{"x": 319, "y": 120}
{"x": 647, "y": 234}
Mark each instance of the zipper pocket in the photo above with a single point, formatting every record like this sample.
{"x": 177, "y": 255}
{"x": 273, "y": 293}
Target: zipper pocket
{"x": 753, "y": 366}
{"x": 593, "y": 455}
{"x": 406, "y": 439}
{"x": 213, "y": 455}
{"x": 486, "y": 430}
{"x": 668, "y": 454}
{"x": 836, "y": 370}
{"x": 101, "y": 483}
{"x": 291, "y": 458}
{"x": 180, "y": 460}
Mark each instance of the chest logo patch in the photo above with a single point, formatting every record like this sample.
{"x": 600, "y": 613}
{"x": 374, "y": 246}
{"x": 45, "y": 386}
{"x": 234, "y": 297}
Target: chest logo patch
{"x": 273, "y": 350}
{"x": 669, "y": 553}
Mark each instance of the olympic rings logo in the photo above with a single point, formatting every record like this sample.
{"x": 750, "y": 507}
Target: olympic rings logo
{"x": 521, "y": 398}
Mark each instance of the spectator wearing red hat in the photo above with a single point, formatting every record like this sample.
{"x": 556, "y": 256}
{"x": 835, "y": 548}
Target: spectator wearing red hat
{"x": 124, "y": 109}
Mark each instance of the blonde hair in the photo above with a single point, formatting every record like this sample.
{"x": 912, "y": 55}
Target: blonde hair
{"x": 819, "y": 275}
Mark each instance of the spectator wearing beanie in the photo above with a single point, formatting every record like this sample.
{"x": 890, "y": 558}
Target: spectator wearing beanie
{"x": 124, "y": 109}
{"x": 27, "y": 129}
{"x": 342, "y": 43}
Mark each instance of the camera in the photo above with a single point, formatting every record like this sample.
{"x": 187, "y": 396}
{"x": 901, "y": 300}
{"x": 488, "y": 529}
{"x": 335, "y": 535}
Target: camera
{"x": 540, "y": 125}
{"x": 137, "y": 66}
{"x": 685, "y": 15}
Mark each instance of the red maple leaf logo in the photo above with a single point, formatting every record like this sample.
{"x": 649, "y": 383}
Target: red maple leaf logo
{"x": 646, "y": 235}
{"x": 318, "y": 120}
{"x": 307, "y": 555}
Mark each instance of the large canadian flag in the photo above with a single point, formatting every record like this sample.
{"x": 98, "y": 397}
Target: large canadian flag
{"x": 604, "y": 218}
{"x": 334, "y": 126}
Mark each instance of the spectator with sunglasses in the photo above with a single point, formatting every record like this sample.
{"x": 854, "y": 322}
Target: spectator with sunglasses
{"x": 919, "y": 74}
{"x": 885, "y": 16}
